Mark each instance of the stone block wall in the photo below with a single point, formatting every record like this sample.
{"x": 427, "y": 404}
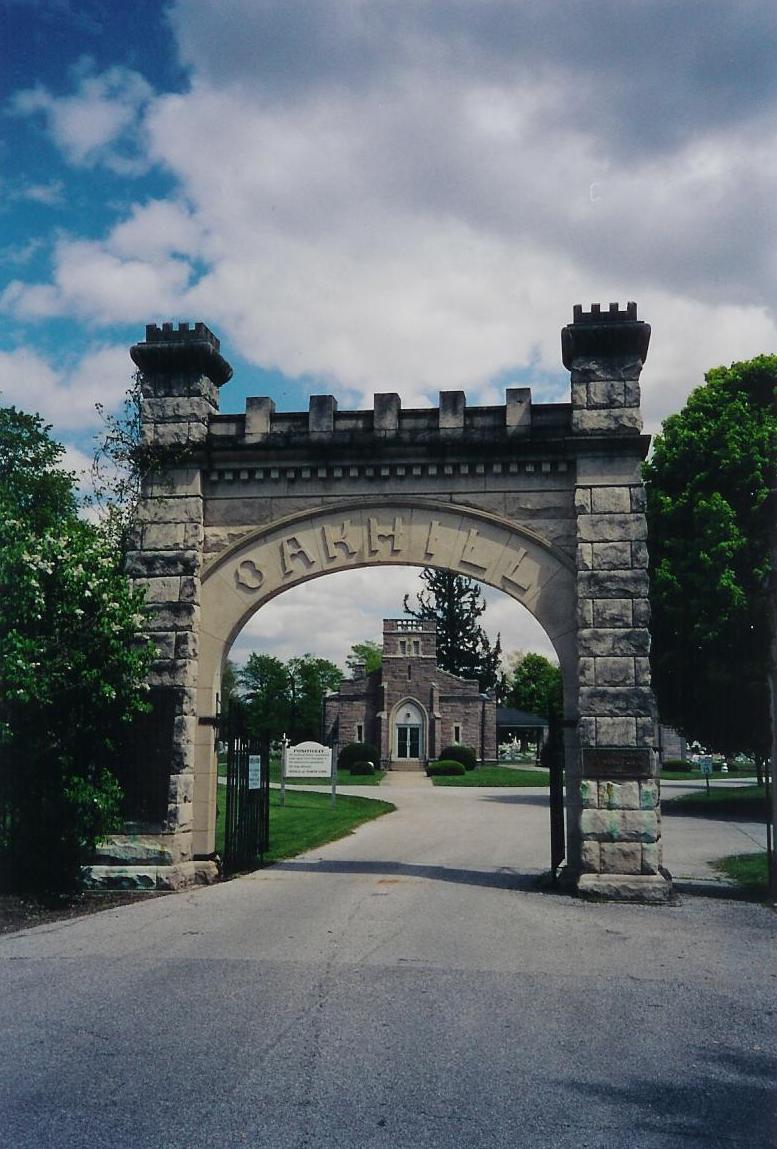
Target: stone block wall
{"x": 619, "y": 820}
{"x": 181, "y": 372}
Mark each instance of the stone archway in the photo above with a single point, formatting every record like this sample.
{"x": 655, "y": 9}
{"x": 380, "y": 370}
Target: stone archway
{"x": 374, "y": 532}
{"x": 544, "y": 501}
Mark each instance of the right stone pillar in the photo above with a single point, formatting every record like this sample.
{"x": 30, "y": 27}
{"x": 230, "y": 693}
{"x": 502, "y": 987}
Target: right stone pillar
{"x": 618, "y": 805}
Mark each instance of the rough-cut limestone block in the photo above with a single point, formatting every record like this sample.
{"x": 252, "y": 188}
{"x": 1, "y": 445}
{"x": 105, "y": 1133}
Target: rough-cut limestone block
{"x": 187, "y": 645}
{"x": 160, "y": 590}
{"x": 611, "y": 528}
{"x": 186, "y": 509}
{"x": 605, "y": 393}
{"x": 646, "y": 732}
{"x": 174, "y": 616}
{"x": 610, "y": 556}
{"x": 619, "y": 825}
{"x": 614, "y": 671}
{"x": 638, "y": 499}
{"x": 616, "y": 732}
{"x": 586, "y": 730}
{"x": 616, "y": 701}
{"x": 590, "y": 856}
{"x": 583, "y": 500}
{"x": 648, "y": 794}
{"x": 621, "y": 858}
{"x": 158, "y": 564}
{"x": 163, "y": 536}
{"x": 609, "y": 612}
{"x": 642, "y": 671}
{"x": 589, "y": 794}
{"x": 611, "y": 501}
{"x": 648, "y": 888}
{"x": 651, "y": 858}
{"x": 587, "y": 369}
{"x": 584, "y": 556}
{"x": 642, "y": 612}
{"x": 585, "y": 612}
{"x": 164, "y": 641}
{"x": 602, "y": 643}
{"x": 640, "y": 556}
{"x": 585, "y": 671}
{"x": 607, "y": 422}
{"x": 619, "y": 795}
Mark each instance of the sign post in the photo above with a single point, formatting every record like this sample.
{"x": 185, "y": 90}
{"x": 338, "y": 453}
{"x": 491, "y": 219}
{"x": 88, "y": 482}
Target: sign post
{"x": 310, "y": 760}
{"x": 284, "y": 747}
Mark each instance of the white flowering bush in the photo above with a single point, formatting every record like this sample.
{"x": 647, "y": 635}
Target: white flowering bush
{"x": 73, "y": 660}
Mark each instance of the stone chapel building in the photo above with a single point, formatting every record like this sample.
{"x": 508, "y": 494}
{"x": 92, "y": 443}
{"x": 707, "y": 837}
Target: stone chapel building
{"x": 410, "y": 709}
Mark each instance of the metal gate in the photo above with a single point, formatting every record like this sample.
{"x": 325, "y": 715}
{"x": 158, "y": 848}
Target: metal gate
{"x": 247, "y": 814}
{"x": 553, "y": 759}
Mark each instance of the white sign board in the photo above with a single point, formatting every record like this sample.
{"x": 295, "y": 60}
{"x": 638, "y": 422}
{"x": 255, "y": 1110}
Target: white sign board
{"x": 308, "y": 760}
{"x": 254, "y": 772}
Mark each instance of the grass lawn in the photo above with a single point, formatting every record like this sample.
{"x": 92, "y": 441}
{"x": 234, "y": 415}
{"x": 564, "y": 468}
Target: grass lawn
{"x": 496, "y": 776}
{"x": 748, "y": 802}
{"x": 748, "y": 870}
{"x": 308, "y": 820}
{"x": 696, "y": 776}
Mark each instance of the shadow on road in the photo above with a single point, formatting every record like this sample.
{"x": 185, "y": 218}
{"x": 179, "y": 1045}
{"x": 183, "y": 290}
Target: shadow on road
{"x": 518, "y": 799}
{"x": 496, "y": 879}
{"x": 727, "y": 1101}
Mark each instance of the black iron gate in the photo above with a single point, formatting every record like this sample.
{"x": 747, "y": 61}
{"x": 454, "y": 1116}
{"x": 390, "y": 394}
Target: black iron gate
{"x": 247, "y": 813}
{"x": 553, "y": 759}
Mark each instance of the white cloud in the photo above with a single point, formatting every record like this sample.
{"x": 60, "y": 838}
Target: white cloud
{"x": 65, "y": 396}
{"x": 404, "y": 197}
{"x": 94, "y": 284}
{"x": 97, "y": 124}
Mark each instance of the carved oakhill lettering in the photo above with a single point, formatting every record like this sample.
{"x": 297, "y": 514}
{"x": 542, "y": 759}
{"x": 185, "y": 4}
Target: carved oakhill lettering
{"x": 291, "y": 550}
{"x": 338, "y": 537}
{"x": 469, "y": 555}
{"x": 377, "y": 532}
{"x": 433, "y": 538}
{"x": 249, "y": 575}
{"x": 522, "y": 581}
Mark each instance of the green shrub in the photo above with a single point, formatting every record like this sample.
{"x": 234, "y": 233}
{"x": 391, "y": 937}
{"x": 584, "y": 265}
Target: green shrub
{"x": 359, "y": 769}
{"x": 464, "y": 754}
{"x": 357, "y": 752}
{"x": 445, "y": 768}
{"x": 677, "y": 764}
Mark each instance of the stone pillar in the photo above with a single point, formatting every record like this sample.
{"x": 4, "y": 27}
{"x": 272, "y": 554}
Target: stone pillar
{"x": 618, "y": 809}
{"x": 181, "y": 373}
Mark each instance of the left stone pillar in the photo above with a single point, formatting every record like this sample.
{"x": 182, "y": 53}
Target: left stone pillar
{"x": 181, "y": 370}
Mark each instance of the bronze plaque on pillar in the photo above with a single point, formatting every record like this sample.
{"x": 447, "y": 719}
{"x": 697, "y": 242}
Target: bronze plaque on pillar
{"x": 615, "y": 762}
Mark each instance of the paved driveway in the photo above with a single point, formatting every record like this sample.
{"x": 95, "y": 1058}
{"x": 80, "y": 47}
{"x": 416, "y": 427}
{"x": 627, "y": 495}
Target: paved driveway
{"x": 400, "y": 988}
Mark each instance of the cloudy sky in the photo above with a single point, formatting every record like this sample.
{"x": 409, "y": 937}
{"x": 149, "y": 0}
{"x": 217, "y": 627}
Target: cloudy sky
{"x": 372, "y": 195}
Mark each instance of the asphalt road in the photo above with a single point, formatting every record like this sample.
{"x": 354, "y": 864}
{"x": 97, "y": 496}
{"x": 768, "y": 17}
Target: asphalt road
{"x": 405, "y": 987}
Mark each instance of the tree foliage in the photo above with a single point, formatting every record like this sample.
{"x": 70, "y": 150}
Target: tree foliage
{"x": 287, "y": 697}
{"x": 709, "y": 512}
{"x": 534, "y": 684}
{"x": 456, "y": 604}
{"x": 368, "y": 654}
{"x": 72, "y": 666}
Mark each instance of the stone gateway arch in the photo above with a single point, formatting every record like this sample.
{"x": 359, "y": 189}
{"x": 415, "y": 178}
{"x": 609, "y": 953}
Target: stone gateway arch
{"x": 543, "y": 501}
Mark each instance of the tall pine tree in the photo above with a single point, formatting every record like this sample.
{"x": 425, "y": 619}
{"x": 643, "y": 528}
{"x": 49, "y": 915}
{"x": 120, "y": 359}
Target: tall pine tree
{"x": 456, "y": 604}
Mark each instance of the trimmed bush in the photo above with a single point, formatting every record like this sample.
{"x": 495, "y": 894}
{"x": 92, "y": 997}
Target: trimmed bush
{"x": 360, "y": 769}
{"x": 357, "y": 752}
{"x": 464, "y": 754}
{"x": 677, "y": 764}
{"x": 445, "y": 768}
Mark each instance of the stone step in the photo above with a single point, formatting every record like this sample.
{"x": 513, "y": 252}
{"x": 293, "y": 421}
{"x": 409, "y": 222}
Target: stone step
{"x": 408, "y": 767}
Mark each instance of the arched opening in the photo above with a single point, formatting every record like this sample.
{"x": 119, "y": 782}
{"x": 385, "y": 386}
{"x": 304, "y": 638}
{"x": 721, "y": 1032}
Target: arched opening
{"x": 409, "y": 732}
{"x": 266, "y": 563}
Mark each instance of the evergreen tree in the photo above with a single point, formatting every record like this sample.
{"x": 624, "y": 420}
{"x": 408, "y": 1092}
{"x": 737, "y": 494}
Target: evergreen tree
{"x": 456, "y": 603}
